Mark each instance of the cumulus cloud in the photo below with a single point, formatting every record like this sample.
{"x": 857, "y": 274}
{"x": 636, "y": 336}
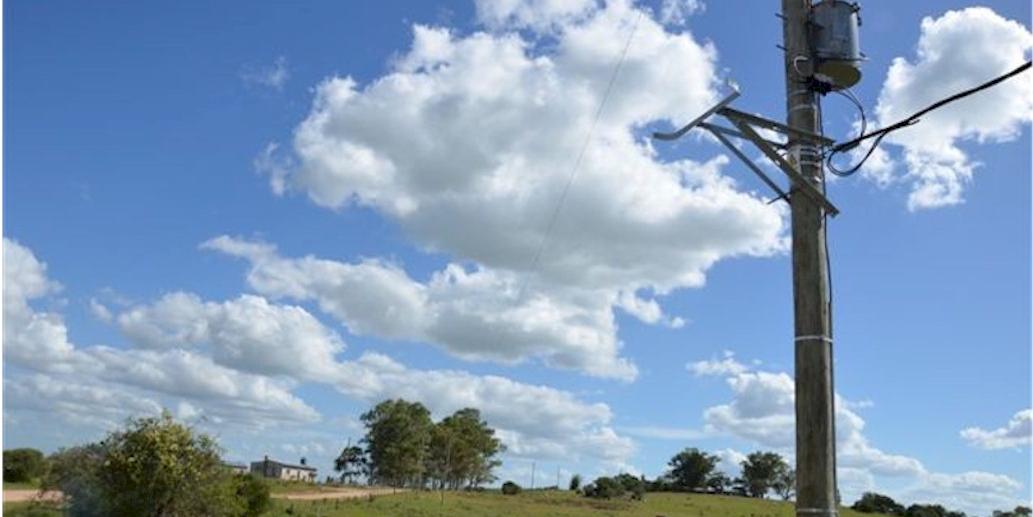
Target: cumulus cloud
{"x": 1016, "y": 433}
{"x": 240, "y": 362}
{"x": 955, "y": 51}
{"x": 443, "y": 137}
{"x": 35, "y": 338}
{"x": 473, "y": 313}
{"x": 248, "y": 334}
{"x": 762, "y": 411}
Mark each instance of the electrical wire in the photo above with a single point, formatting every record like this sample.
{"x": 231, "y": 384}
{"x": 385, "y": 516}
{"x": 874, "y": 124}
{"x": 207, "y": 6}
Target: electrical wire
{"x": 584, "y": 146}
{"x": 849, "y": 95}
{"x": 879, "y": 134}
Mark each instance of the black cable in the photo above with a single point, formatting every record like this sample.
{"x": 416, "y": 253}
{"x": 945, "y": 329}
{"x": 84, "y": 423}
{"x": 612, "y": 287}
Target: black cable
{"x": 849, "y": 95}
{"x": 879, "y": 134}
{"x": 845, "y": 146}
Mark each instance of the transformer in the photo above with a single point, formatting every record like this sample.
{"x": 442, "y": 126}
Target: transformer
{"x": 834, "y": 43}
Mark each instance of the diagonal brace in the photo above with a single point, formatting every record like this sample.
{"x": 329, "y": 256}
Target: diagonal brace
{"x": 716, "y": 131}
{"x": 798, "y": 179}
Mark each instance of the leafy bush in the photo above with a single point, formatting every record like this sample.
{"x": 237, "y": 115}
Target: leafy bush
{"x": 254, "y": 494}
{"x": 154, "y": 467}
{"x": 604, "y": 488}
{"x": 510, "y": 488}
{"x": 22, "y": 465}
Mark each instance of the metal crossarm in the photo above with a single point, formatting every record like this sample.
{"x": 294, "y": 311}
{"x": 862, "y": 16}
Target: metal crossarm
{"x": 734, "y": 114}
{"x": 744, "y": 128}
{"x": 678, "y": 134}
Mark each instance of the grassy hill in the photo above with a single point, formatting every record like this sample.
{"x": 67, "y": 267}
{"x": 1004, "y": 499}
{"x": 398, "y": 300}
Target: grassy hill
{"x": 550, "y": 503}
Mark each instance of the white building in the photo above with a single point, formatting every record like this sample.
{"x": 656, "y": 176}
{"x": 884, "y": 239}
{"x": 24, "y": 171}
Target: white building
{"x": 278, "y": 470}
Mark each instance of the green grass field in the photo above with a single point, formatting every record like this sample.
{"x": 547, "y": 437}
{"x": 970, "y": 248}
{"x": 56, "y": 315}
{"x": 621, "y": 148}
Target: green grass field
{"x": 545, "y": 503}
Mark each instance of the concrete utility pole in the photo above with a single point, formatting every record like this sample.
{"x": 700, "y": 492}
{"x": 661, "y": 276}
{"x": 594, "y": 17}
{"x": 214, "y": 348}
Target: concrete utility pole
{"x": 815, "y": 419}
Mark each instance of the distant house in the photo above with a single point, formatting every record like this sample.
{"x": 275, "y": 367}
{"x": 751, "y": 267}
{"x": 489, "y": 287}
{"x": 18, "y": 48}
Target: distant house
{"x": 279, "y": 470}
{"x": 236, "y": 468}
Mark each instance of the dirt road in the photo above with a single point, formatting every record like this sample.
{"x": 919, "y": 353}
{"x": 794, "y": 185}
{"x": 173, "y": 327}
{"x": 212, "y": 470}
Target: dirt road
{"x": 336, "y": 493}
{"x": 22, "y": 495}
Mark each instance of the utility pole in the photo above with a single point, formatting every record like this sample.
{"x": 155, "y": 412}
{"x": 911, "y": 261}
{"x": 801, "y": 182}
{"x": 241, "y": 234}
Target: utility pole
{"x": 815, "y": 419}
{"x": 532, "y": 475}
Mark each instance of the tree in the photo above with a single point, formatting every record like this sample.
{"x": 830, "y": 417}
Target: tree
{"x": 351, "y": 463}
{"x": 23, "y": 465}
{"x": 760, "y": 471}
{"x": 785, "y": 483}
{"x": 462, "y": 450}
{"x": 155, "y": 467}
{"x": 691, "y": 468}
{"x": 575, "y": 482}
{"x": 871, "y": 502}
{"x": 397, "y": 436}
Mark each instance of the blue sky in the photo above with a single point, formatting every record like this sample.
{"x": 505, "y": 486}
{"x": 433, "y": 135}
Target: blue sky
{"x": 136, "y": 133}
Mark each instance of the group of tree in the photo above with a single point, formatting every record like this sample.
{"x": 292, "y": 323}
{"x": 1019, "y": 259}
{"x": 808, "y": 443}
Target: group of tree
{"x": 871, "y": 502}
{"x": 403, "y": 447}
{"x": 155, "y": 466}
{"x": 617, "y": 486}
{"x": 692, "y": 470}
{"x": 24, "y": 465}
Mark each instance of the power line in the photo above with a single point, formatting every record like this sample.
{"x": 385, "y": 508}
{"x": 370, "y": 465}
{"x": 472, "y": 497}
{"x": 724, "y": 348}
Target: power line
{"x": 879, "y": 134}
{"x": 584, "y": 147}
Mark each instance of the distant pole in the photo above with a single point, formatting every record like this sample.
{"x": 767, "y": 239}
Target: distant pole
{"x": 532, "y": 475}
{"x": 557, "y": 478}
{"x": 815, "y": 421}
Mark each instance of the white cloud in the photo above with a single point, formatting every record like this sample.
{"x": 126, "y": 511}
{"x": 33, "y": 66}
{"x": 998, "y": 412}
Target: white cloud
{"x": 443, "y": 138}
{"x": 247, "y": 334}
{"x": 540, "y": 15}
{"x": 534, "y": 421}
{"x": 238, "y": 363}
{"x": 763, "y": 411}
{"x": 80, "y": 401}
{"x": 730, "y": 462}
{"x": 272, "y": 76}
{"x": 31, "y": 337}
{"x": 676, "y": 12}
{"x": 956, "y": 51}
{"x": 727, "y": 365}
{"x": 1016, "y": 433}
{"x": 474, "y": 314}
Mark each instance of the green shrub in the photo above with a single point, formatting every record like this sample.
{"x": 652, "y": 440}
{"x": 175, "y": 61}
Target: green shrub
{"x": 23, "y": 465}
{"x": 510, "y": 488}
{"x": 254, "y": 494}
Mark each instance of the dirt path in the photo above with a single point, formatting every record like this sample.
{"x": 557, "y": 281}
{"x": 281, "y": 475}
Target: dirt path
{"x": 28, "y": 494}
{"x": 23, "y": 495}
{"x": 336, "y": 493}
